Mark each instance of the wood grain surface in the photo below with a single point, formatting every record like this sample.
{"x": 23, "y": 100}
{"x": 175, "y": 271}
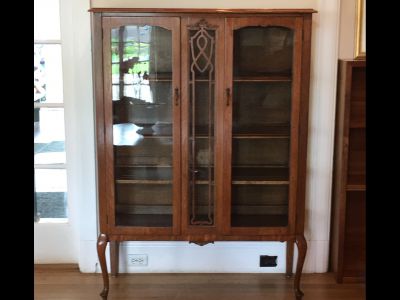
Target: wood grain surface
{"x": 67, "y": 283}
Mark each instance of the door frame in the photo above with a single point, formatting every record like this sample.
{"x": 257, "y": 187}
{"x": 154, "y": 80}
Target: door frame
{"x": 231, "y": 24}
{"x": 172, "y": 24}
{"x": 217, "y": 24}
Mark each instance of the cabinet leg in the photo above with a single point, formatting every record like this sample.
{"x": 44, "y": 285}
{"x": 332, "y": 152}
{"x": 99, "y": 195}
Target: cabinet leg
{"x": 289, "y": 258}
{"x": 302, "y": 250}
{"x": 101, "y": 252}
{"x": 114, "y": 257}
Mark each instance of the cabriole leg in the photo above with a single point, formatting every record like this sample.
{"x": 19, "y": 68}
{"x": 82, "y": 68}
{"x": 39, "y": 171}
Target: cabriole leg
{"x": 302, "y": 250}
{"x": 101, "y": 252}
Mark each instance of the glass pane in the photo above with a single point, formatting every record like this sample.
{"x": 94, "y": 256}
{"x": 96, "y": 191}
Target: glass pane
{"x": 259, "y": 205}
{"x": 51, "y": 193}
{"x": 261, "y": 107}
{"x": 140, "y": 55}
{"x": 261, "y": 126}
{"x": 259, "y": 151}
{"x": 263, "y": 51}
{"x": 49, "y": 136}
{"x": 46, "y": 20}
{"x": 144, "y": 204}
{"x": 48, "y": 85}
{"x": 201, "y": 126}
{"x": 141, "y": 59}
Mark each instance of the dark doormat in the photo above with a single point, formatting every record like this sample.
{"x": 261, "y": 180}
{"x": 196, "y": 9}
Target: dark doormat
{"x": 51, "y": 204}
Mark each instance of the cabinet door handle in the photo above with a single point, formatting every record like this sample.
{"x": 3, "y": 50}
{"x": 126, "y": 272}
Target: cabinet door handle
{"x": 228, "y": 96}
{"x": 176, "y": 96}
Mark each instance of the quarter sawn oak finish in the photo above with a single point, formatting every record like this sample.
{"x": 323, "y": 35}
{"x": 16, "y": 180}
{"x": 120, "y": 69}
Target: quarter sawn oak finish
{"x": 201, "y": 124}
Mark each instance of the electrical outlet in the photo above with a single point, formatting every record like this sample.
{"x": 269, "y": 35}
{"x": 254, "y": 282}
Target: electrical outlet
{"x": 268, "y": 261}
{"x": 137, "y": 260}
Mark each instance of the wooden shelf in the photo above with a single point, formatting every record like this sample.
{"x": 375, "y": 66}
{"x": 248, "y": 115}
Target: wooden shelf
{"x": 270, "y": 78}
{"x": 137, "y": 181}
{"x": 259, "y": 136}
{"x": 129, "y": 166}
{"x": 244, "y": 130}
{"x": 202, "y": 80}
{"x": 141, "y": 166}
{"x": 144, "y": 209}
{"x": 261, "y": 182}
{"x": 261, "y": 166}
{"x": 355, "y": 187}
{"x": 142, "y": 103}
{"x": 140, "y": 172}
{"x": 257, "y": 210}
{"x": 267, "y": 173}
{"x": 143, "y": 220}
{"x": 201, "y": 136}
{"x": 259, "y": 220}
{"x": 204, "y": 182}
{"x": 357, "y": 126}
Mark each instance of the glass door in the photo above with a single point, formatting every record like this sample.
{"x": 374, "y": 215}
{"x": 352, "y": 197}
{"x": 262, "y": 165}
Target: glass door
{"x": 142, "y": 116}
{"x": 262, "y": 98}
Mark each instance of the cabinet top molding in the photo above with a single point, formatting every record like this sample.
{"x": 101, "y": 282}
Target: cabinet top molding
{"x": 201, "y": 10}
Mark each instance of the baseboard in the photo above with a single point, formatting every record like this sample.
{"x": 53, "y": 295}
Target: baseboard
{"x": 58, "y": 267}
{"x": 220, "y": 257}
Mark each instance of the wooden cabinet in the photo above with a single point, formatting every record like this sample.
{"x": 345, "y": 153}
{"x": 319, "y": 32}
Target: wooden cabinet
{"x": 348, "y": 210}
{"x": 201, "y": 121}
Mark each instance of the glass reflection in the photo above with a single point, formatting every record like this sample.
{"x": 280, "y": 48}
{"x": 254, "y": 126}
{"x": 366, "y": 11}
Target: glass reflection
{"x": 141, "y": 60}
{"x": 126, "y": 134}
{"x": 141, "y": 82}
{"x": 47, "y": 74}
{"x": 49, "y": 138}
{"x": 138, "y": 54}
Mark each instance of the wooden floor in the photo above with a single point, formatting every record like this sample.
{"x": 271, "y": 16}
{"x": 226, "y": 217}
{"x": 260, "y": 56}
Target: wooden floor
{"x": 67, "y": 283}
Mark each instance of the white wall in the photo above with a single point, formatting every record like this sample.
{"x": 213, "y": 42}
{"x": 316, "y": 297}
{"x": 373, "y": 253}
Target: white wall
{"x": 55, "y": 243}
{"x": 218, "y": 257}
{"x": 65, "y": 243}
{"x": 347, "y": 29}
{"x": 321, "y": 134}
{"x": 207, "y": 3}
{"x": 82, "y": 172}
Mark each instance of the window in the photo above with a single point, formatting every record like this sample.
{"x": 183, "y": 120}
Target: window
{"x": 50, "y": 194}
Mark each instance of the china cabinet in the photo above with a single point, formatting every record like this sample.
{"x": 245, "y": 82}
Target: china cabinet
{"x": 201, "y": 124}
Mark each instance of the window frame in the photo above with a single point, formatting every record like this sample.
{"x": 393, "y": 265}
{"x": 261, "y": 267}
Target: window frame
{"x": 37, "y": 218}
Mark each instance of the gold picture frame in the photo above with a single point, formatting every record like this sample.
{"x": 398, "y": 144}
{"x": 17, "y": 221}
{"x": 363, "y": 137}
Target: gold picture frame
{"x": 360, "y": 43}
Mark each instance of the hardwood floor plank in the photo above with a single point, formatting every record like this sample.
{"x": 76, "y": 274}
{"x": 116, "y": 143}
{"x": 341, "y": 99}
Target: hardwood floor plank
{"x": 67, "y": 283}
